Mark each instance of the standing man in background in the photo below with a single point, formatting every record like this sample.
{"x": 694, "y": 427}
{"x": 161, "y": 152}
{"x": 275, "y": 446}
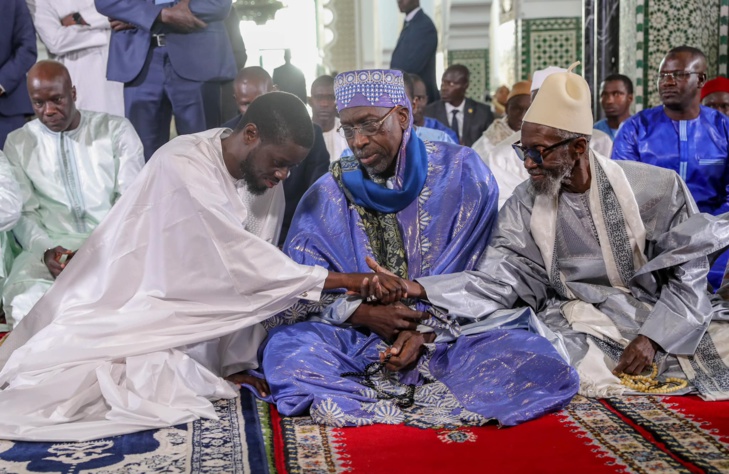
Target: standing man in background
{"x": 17, "y": 55}
{"x": 164, "y": 53}
{"x": 416, "y": 46}
{"x": 78, "y": 36}
{"x": 289, "y": 78}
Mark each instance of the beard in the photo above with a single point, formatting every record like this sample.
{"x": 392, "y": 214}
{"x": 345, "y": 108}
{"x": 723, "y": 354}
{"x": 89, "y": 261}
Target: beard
{"x": 249, "y": 176}
{"x": 552, "y": 182}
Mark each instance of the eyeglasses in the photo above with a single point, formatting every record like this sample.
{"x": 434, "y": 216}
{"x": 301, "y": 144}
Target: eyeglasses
{"x": 535, "y": 155}
{"x": 366, "y": 129}
{"x": 678, "y": 76}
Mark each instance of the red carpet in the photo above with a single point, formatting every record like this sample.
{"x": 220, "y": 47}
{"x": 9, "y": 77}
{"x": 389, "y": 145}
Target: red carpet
{"x": 632, "y": 434}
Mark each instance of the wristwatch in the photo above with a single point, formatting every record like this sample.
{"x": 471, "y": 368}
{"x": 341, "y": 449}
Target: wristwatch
{"x": 77, "y": 18}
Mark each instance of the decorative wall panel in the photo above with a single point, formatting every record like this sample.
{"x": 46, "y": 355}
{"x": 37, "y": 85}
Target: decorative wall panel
{"x": 549, "y": 42}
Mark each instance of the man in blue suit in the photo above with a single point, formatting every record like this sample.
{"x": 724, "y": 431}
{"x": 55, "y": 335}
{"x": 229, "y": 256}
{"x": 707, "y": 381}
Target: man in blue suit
{"x": 164, "y": 52}
{"x": 17, "y": 54}
{"x": 416, "y": 46}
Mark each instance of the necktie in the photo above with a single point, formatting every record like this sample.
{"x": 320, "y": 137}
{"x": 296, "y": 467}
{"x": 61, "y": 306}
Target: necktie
{"x": 454, "y": 124}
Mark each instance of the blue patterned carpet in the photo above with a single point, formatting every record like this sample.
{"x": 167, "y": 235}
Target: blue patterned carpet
{"x": 234, "y": 444}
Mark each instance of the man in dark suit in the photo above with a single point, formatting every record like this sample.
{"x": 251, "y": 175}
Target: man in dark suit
{"x": 17, "y": 54}
{"x": 416, "y": 46}
{"x": 289, "y": 78}
{"x": 164, "y": 52}
{"x": 466, "y": 117}
{"x": 251, "y": 83}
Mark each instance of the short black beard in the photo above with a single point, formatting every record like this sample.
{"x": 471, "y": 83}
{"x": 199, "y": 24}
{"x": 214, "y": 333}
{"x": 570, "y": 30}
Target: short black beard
{"x": 249, "y": 178}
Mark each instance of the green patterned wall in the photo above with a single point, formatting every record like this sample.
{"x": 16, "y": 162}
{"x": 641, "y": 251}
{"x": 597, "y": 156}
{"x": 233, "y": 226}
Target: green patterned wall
{"x": 477, "y": 62}
{"x": 661, "y": 25}
{"x": 549, "y": 42}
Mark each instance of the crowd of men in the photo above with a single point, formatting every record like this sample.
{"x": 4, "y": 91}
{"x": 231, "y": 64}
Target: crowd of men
{"x": 399, "y": 254}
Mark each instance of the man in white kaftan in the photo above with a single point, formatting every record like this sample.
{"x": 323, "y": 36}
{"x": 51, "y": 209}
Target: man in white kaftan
{"x": 78, "y": 36}
{"x": 112, "y": 347}
{"x": 508, "y": 170}
{"x": 72, "y": 166}
{"x": 607, "y": 259}
{"x": 10, "y": 206}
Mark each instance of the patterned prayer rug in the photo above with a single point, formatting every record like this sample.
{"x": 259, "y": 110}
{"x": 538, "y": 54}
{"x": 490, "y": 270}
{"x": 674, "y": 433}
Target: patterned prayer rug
{"x": 632, "y": 434}
{"x": 233, "y": 444}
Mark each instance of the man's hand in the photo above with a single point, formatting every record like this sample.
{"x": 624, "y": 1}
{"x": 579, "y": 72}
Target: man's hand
{"x": 68, "y": 20}
{"x": 181, "y": 18}
{"x": 413, "y": 289}
{"x": 56, "y": 259}
{"x": 260, "y": 385}
{"x": 387, "y": 321}
{"x": 406, "y": 350}
{"x": 118, "y": 25}
{"x": 637, "y": 356}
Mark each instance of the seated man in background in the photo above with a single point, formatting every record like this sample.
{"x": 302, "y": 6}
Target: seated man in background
{"x": 72, "y": 166}
{"x": 466, "y": 117}
{"x": 424, "y": 133}
{"x": 616, "y": 97}
{"x": 420, "y": 96}
{"x": 324, "y": 114}
{"x": 683, "y": 136}
{"x": 715, "y": 94}
{"x": 251, "y": 83}
{"x": 502, "y": 128}
{"x": 138, "y": 330}
{"x": 610, "y": 255}
{"x": 419, "y": 209}
{"x": 10, "y": 207}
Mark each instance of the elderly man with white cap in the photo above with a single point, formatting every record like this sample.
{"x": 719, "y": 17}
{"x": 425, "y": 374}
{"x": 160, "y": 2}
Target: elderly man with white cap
{"x": 503, "y": 163}
{"x": 607, "y": 259}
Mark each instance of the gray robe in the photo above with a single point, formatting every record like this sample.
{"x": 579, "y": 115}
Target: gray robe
{"x": 666, "y": 300}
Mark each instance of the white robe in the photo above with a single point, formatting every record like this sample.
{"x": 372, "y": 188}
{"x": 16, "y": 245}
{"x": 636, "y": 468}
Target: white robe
{"x": 10, "y": 206}
{"x": 68, "y": 182}
{"x": 172, "y": 265}
{"x": 84, "y": 50}
{"x": 334, "y": 142}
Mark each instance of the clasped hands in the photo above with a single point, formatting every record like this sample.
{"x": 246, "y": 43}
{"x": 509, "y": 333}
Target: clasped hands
{"x": 392, "y": 320}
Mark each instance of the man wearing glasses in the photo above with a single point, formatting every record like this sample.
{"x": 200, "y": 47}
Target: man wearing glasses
{"x": 607, "y": 259}
{"x": 680, "y": 134}
{"x": 683, "y": 136}
{"x": 417, "y": 208}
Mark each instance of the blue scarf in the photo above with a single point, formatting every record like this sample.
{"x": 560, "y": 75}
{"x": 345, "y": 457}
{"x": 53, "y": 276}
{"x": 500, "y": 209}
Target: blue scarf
{"x": 371, "y": 195}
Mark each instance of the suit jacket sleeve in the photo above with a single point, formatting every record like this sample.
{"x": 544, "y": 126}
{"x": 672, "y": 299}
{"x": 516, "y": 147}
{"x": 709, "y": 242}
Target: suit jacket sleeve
{"x": 12, "y": 71}
{"x": 136, "y": 12}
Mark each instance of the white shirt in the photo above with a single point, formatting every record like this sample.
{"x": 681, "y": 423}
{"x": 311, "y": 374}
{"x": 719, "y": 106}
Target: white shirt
{"x": 412, "y": 14}
{"x": 84, "y": 50}
{"x": 334, "y": 142}
{"x": 459, "y": 116}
